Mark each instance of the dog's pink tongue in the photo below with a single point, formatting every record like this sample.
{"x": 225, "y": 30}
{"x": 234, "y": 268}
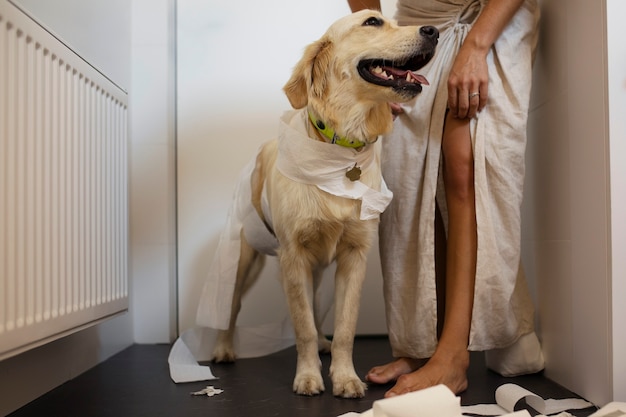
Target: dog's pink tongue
{"x": 420, "y": 79}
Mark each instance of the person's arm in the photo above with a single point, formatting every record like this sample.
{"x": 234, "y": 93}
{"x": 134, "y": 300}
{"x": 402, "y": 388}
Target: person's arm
{"x": 356, "y": 5}
{"x": 469, "y": 71}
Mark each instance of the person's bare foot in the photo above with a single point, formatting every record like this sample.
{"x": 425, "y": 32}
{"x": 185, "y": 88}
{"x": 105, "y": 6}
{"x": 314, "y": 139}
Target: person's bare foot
{"x": 440, "y": 369}
{"x": 392, "y": 370}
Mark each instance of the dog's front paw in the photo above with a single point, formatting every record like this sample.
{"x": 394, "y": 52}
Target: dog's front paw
{"x": 308, "y": 384}
{"x": 349, "y": 387}
{"x": 223, "y": 354}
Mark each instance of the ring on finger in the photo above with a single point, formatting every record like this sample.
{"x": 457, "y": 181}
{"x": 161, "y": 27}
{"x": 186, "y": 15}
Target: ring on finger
{"x": 472, "y": 95}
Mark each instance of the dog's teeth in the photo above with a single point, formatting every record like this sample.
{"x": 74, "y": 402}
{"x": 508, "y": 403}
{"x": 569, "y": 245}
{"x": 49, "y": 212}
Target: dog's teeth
{"x": 408, "y": 77}
{"x": 377, "y": 70}
{"x": 391, "y": 77}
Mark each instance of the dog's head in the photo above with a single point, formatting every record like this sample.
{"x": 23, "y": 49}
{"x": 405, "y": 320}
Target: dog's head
{"x": 362, "y": 60}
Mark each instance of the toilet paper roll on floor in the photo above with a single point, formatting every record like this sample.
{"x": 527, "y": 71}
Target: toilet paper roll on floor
{"x": 439, "y": 401}
{"x": 435, "y": 401}
{"x": 508, "y": 395}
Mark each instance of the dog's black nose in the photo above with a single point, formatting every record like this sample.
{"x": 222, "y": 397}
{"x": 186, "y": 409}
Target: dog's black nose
{"x": 430, "y": 32}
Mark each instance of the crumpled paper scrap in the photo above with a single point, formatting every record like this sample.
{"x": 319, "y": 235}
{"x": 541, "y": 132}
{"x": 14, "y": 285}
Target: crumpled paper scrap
{"x": 209, "y": 391}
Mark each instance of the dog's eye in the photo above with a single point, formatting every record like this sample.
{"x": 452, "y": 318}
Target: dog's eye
{"x": 373, "y": 21}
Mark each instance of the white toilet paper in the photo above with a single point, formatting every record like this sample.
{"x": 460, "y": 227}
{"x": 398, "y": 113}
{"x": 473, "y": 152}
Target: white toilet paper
{"x": 439, "y": 401}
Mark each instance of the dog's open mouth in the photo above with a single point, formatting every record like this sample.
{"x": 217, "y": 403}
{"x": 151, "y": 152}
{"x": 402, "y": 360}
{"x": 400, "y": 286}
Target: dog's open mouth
{"x": 400, "y": 76}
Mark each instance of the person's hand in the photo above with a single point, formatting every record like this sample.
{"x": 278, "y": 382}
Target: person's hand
{"x": 396, "y": 109}
{"x": 468, "y": 83}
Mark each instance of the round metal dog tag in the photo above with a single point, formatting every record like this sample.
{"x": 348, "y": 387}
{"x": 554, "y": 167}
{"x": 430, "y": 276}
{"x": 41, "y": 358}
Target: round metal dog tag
{"x": 354, "y": 173}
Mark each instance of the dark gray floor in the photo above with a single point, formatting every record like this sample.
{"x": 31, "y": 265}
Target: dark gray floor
{"x": 136, "y": 383}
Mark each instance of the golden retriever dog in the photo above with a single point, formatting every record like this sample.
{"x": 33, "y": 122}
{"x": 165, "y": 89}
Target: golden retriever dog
{"x": 319, "y": 195}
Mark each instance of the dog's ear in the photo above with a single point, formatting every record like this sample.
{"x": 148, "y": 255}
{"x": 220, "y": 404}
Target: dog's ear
{"x": 310, "y": 74}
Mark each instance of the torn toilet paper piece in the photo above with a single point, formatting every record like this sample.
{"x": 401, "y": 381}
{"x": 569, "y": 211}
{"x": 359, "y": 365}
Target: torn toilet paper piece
{"x": 508, "y": 395}
{"x": 196, "y": 345}
{"x": 437, "y": 401}
{"x": 184, "y": 367}
{"x": 209, "y": 391}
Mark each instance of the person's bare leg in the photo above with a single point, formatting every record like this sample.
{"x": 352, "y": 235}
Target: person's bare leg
{"x": 449, "y": 363}
{"x": 391, "y": 371}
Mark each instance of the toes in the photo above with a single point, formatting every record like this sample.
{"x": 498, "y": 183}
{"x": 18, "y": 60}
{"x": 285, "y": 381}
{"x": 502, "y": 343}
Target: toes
{"x": 308, "y": 385}
{"x": 349, "y": 388}
{"x": 377, "y": 376}
{"x": 392, "y": 371}
{"x": 223, "y": 355}
{"x": 453, "y": 378}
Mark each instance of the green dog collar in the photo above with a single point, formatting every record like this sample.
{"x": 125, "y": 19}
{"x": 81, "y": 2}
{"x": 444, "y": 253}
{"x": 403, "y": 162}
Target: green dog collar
{"x": 334, "y": 138}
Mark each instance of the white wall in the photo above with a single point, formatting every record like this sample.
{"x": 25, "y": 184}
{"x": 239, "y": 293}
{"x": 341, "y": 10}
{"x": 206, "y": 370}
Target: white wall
{"x": 153, "y": 172}
{"x": 567, "y": 217}
{"x": 97, "y": 30}
{"x": 616, "y": 33}
{"x": 546, "y": 240}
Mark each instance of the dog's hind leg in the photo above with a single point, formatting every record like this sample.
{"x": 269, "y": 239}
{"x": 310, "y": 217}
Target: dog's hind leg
{"x": 248, "y": 270}
{"x": 351, "y": 263}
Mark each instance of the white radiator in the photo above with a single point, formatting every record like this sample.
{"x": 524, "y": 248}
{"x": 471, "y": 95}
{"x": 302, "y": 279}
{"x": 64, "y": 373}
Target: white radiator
{"x": 63, "y": 189}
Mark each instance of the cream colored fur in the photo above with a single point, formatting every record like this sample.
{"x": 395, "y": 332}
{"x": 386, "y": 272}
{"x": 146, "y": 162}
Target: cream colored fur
{"x": 315, "y": 228}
